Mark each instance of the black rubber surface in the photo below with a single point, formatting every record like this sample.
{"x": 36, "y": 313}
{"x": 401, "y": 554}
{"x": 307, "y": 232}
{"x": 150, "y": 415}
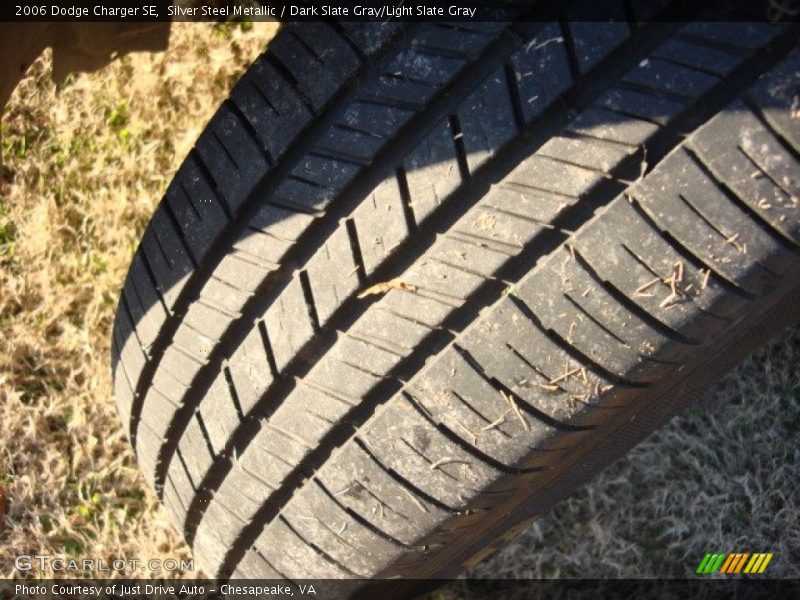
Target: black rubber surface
{"x": 410, "y": 275}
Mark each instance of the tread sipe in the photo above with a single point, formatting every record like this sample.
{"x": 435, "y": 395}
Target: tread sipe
{"x": 417, "y": 282}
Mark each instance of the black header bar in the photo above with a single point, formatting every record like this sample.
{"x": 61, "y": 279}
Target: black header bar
{"x": 381, "y": 11}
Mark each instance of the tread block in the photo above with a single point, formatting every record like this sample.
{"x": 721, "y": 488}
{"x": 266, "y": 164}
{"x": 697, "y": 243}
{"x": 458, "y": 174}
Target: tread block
{"x": 468, "y": 255}
{"x": 140, "y": 287}
{"x": 425, "y": 312}
{"x": 219, "y": 414}
{"x": 245, "y": 275}
{"x": 621, "y": 322}
{"x": 199, "y": 234}
{"x": 644, "y": 258}
{"x": 465, "y": 41}
{"x": 194, "y": 448}
{"x": 306, "y": 196}
{"x": 777, "y": 91}
{"x": 169, "y": 281}
{"x": 344, "y": 141}
{"x": 743, "y": 35}
{"x": 158, "y": 404}
{"x": 519, "y": 355}
{"x": 323, "y": 522}
{"x": 593, "y": 155}
{"x": 332, "y": 274}
{"x": 180, "y": 365}
{"x": 147, "y": 445}
{"x": 486, "y": 119}
{"x": 520, "y": 199}
{"x": 282, "y": 223}
{"x": 250, "y": 370}
{"x": 181, "y": 488}
{"x": 214, "y": 542}
{"x": 405, "y": 442}
{"x": 716, "y": 60}
{"x": 244, "y": 496}
{"x": 370, "y": 39}
{"x": 453, "y": 394}
{"x": 542, "y": 70}
{"x": 169, "y": 387}
{"x": 380, "y": 120}
{"x": 272, "y": 106}
{"x": 131, "y": 353}
{"x": 750, "y": 161}
{"x": 380, "y": 223}
{"x": 658, "y": 109}
{"x": 432, "y": 171}
{"x": 233, "y": 157}
{"x": 368, "y": 356}
{"x": 201, "y": 193}
{"x": 255, "y": 566}
{"x": 224, "y": 296}
{"x": 288, "y": 323}
{"x": 262, "y": 248}
{"x": 324, "y": 171}
{"x": 549, "y": 175}
{"x": 207, "y": 320}
{"x": 363, "y": 487}
{"x": 660, "y": 75}
{"x": 392, "y": 330}
{"x": 702, "y": 217}
{"x": 594, "y": 38}
{"x": 557, "y": 313}
{"x": 305, "y": 61}
{"x": 343, "y": 378}
{"x": 289, "y": 553}
{"x": 612, "y": 126}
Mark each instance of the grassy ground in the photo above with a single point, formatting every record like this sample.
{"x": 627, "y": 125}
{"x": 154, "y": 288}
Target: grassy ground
{"x": 84, "y": 165}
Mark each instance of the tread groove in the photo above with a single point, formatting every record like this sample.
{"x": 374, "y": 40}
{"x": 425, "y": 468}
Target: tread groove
{"x": 516, "y": 97}
{"x": 308, "y": 295}
{"x": 569, "y": 47}
{"x": 234, "y": 394}
{"x": 355, "y": 247}
{"x": 270, "y": 354}
{"x": 461, "y": 150}
{"x": 405, "y": 199}
{"x": 206, "y": 435}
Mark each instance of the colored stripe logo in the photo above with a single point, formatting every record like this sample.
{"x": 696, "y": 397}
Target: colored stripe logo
{"x": 736, "y": 562}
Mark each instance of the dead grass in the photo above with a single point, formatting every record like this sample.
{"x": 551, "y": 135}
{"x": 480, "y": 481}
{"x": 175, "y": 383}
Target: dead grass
{"x": 84, "y": 167}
